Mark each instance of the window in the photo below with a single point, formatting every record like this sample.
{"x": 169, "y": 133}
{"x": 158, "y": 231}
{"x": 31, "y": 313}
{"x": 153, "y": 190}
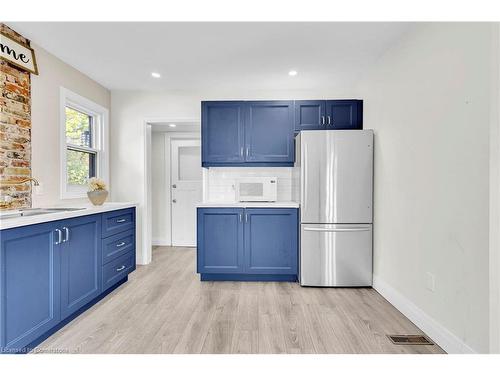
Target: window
{"x": 84, "y": 130}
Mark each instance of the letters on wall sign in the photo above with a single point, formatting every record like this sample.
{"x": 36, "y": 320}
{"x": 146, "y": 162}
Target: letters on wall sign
{"x": 18, "y": 54}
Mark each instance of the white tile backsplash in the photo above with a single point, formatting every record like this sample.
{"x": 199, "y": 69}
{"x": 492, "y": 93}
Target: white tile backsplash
{"x": 221, "y": 181}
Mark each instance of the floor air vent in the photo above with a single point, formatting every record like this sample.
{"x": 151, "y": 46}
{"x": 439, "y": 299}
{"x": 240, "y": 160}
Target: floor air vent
{"x": 410, "y": 340}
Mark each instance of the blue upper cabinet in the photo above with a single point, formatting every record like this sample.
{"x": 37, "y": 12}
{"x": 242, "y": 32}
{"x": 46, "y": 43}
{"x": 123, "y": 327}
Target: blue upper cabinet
{"x": 271, "y": 241}
{"x": 310, "y": 115}
{"x": 328, "y": 114}
{"x": 80, "y": 262}
{"x": 269, "y": 132}
{"x": 344, "y": 114}
{"x": 220, "y": 240}
{"x": 261, "y": 133}
{"x": 247, "y": 133}
{"x": 223, "y": 133}
{"x": 29, "y": 284}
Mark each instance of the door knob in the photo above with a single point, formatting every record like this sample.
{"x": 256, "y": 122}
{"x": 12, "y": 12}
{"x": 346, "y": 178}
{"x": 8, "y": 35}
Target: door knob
{"x": 174, "y": 200}
{"x": 174, "y": 186}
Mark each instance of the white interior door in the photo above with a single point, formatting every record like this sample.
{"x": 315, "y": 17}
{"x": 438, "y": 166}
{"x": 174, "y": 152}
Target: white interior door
{"x": 186, "y": 189}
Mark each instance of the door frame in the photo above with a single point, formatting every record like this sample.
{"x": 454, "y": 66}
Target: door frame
{"x": 169, "y": 137}
{"x": 144, "y": 213}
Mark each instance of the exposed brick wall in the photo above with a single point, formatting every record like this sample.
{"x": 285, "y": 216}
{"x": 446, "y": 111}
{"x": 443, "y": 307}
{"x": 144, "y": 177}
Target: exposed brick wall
{"x": 15, "y": 131}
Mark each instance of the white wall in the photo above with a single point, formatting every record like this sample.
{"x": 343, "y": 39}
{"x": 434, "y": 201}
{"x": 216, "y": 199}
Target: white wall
{"x": 428, "y": 100}
{"x": 45, "y": 138}
{"x": 130, "y": 109}
{"x": 494, "y": 194}
{"x": 161, "y": 219}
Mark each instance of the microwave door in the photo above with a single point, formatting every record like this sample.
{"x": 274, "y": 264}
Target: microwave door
{"x": 257, "y": 190}
{"x": 250, "y": 191}
{"x": 336, "y": 176}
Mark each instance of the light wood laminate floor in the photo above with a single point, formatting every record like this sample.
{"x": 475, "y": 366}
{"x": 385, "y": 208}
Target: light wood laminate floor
{"x": 164, "y": 308}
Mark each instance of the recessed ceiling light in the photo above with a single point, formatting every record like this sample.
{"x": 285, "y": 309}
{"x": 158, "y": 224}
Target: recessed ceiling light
{"x": 155, "y": 75}
{"x": 172, "y": 125}
{"x": 292, "y": 73}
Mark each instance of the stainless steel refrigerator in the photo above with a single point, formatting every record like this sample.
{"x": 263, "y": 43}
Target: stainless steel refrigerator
{"x": 334, "y": 185}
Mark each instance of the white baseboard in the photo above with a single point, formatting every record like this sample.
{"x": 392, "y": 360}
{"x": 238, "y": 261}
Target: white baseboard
{"x": 439, "y": 334}
{"x": 160, "y": 242}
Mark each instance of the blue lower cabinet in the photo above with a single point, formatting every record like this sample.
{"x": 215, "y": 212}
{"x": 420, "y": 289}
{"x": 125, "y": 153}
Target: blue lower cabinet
{"x": 52, "y": 272}
{"x": 80, "y": 262}
{"x": 114, "y": 222}
{"x": 220, "y": 240}
{"x": 117, "y": 245}
{"x": 248, "y": 244}
{"x": 117, "y": 270}
{"x": 271, "y": 241}
{"x": 29, "y": 285}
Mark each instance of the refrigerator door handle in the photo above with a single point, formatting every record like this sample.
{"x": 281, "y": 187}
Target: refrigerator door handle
{"x": 303, "y": 177}
{"x": 363, "y": 229}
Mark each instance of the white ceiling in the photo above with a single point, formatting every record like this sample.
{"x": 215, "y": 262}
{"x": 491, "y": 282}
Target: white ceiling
{"x": 216, "y": 56}
{"x": 180, "y": 126}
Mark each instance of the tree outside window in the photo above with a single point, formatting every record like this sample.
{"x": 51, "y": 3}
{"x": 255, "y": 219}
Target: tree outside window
{"x": 80, "y": 152}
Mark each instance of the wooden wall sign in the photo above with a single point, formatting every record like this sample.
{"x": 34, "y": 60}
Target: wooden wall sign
{"x": 18, "y": 54}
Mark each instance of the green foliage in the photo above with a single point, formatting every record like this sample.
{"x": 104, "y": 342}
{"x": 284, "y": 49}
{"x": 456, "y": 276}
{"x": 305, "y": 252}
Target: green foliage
{"x": 77, "y": 167}
{"x": 77, "y": 123}
{"x": 78, "y": 129}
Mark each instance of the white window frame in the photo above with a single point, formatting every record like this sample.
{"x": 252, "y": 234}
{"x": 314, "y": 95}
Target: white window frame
{"x": 100, "y": 138}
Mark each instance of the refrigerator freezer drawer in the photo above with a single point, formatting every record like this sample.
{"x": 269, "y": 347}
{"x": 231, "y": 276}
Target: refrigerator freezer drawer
{"x": 336, "y": 255}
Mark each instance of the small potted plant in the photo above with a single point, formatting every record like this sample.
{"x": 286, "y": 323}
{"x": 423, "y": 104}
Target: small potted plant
{"x": 97, "y": 191}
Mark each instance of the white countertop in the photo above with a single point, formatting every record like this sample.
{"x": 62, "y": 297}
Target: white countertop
{"x": 88, "y": 209}
{"x": 250, "y": 204}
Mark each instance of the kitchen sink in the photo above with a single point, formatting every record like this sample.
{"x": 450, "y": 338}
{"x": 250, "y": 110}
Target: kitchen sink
{"x": 60, "y": 209}
{"x": 35, "y": 211}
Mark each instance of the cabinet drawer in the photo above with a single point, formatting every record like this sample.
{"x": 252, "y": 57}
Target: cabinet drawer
{"x": 117, "y": 245}
{"x": 117, "y": 269}
{"x": 117, "y": 221}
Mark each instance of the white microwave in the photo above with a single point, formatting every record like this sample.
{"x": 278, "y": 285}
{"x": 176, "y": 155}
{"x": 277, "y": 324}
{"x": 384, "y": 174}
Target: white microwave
{"x": 256, "y": 189}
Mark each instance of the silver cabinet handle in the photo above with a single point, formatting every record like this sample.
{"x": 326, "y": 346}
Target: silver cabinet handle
{"x": 59, "y": 237}
{"x": 66, "y": 234}
{"x": 120, "y": 269}
{"x": 247, "y": 152}
{"x": 363, "y": 229}
{"x": 121, "y": 220}
{"x": 246, "y": 218}
{"x": 241, "y": 218}
{"x": 329, "y": 120}
{"x": 174, "y": 200}
{"x": 121, "y": 244}
{"x": 241, "y": 151}
{"x": 322, "y": 120}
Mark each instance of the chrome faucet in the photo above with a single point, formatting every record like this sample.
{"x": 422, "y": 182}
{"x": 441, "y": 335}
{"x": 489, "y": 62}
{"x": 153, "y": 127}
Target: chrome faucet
{"x": 34, "y": 180}
{"x": 10, "y": 183}
{"x": 6, "y": 199}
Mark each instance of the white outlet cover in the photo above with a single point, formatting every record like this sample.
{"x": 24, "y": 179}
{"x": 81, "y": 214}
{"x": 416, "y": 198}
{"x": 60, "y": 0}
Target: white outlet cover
{"x": 38, "y": 190}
